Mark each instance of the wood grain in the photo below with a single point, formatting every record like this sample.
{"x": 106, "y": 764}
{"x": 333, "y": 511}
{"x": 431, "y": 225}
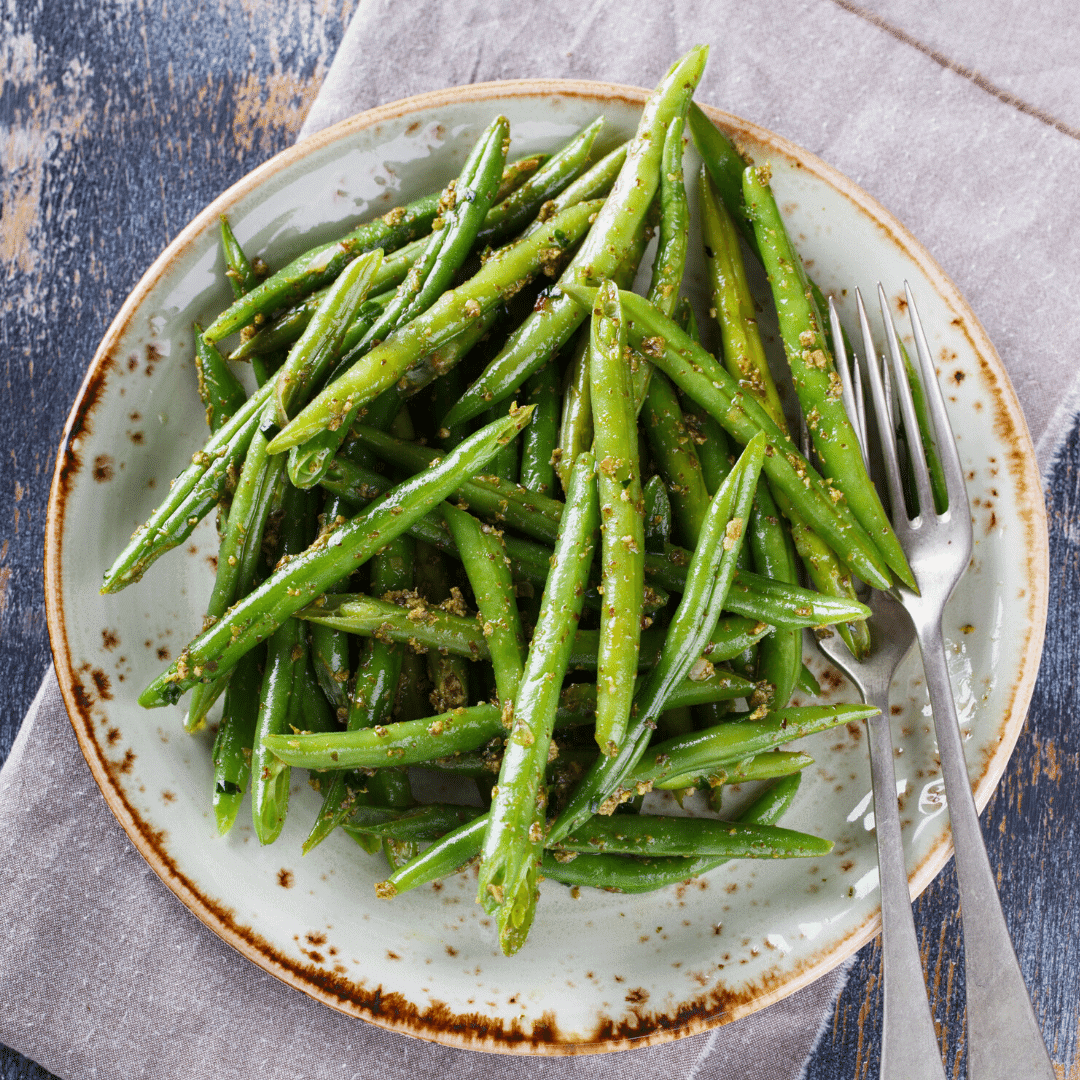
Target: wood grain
{"x": 117, "y": 124}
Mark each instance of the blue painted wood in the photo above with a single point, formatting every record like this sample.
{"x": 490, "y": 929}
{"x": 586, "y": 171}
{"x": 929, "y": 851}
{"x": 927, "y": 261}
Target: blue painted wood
{"x": 129, "y": 122}
{"x": 118, "y": 123}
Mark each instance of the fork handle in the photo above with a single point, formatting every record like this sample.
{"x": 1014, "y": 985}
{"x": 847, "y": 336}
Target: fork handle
{"x": 909, "y": 1046}
{"x": 1003, "y": 1035}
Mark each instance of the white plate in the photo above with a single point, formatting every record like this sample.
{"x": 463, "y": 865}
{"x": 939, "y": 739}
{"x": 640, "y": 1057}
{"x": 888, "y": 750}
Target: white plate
{"x": 599, "y": 971}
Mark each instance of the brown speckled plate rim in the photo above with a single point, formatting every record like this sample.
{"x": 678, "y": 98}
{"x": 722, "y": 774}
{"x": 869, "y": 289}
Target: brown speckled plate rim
{"x": 438, "y": 1024}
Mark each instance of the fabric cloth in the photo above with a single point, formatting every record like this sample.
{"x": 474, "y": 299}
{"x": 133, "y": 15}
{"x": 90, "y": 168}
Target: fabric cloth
{"x": 962, "y": 121}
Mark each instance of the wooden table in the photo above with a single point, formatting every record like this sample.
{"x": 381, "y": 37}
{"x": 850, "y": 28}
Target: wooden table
{"x": 117, "y": 129}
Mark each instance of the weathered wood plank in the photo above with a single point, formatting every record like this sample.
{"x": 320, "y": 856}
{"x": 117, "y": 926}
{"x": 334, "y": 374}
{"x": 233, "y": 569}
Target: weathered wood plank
{"x": 118, "y": 123}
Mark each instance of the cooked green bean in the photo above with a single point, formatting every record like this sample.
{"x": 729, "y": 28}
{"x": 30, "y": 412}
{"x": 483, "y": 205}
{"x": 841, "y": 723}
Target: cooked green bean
{"x": 463, "y": 206}
{"x": 675, "y": 456}
{"x": 751, "y": 595}
{"x": 622, "y": 531}
{"x": 514, "y": 837}
{"x": 238, "y": 555}
{"x": 657, "y": 516}
{"x": 634, "y": 834}
{"x": 482, "y": 551}
{"x": 240, "y": 273}
{"x": 371, "y": 696}
{"x": 220, "y": 390}
{"x": 235, "y": 738}
{"x": 286, "y": 656}
{"x": 542, "y": 435}
{"x": 628, "y": 875}
{"x": 329, "y": 647}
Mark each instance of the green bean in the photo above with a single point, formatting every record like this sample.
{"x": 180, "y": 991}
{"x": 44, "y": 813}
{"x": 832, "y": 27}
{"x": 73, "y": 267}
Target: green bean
{"x": 279, "y": 697}
{"x": 513, "y": 841}
{"x": 725, "y": 165}
{"x": 768, "y": 766}
{"x": 442, "y": 362}
{"x": 459, "y": 847}
{"x": 404, "y": 742}
{"x": 542, "y": 435}
{"x": 816, "y": 381}
{"x": 505, "y": 464}
{"x": 575, "y": 423}
{"x": 547, "y": 329}
{"x": 705, "y": 381}
{"x": 422, "y": 626}
{"x": 618, "y": 478}
{"x": 516, "y": 173}
{"x": 665, "y": 764}
{"x": 674, "y": 454}
{"x": 779, "y": 657}
{"x": 330, "y": 648}
{"x": 308, "y": 575}
{"x": 322, "y": 264}
{"x": 315, "y": 711}
{"x": 449, "y": 676}
{"x": 289, "y": 326}
{"x": 463, "y": 206}
{"x": 484, "y": 556}
{"x": 219, "y": 389}
{"x": 449, "y": 853}
{"x": 520, "y": 208}
{"x": 372, "y": 694}
{"x": 646, "y": 875}
{"x": 670, "y": 262}
{"x": 733, "y": 302}
{"x": 239, "y": 271}
{"x": 319, "y": 344}
{"x": 427, "y": 822}
{"x": 238, "y": 556}
{"x": 595, "y": 183}
{"x": 390, "y": 788}
{"x": 657, "y": 516}
{"x": 633, "y": 834}
{"x": 807, "y": 683}
{"x": 491, "y": 496}
{"x": 709, "y": 577}
{"x": 235, "y": 738}
{"x": 498, "y": 279}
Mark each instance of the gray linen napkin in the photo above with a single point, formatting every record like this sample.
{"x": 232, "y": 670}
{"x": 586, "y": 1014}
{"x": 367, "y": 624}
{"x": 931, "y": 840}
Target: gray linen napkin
{"x": 102, "y": 971}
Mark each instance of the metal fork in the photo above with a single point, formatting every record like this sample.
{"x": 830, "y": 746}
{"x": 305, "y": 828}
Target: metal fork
{"x": 909, "y": 1046}
{"x": 1003, "y": 1035}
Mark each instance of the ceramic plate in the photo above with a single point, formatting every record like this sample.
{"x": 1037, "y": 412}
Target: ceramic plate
{"x": 600, "y": 971}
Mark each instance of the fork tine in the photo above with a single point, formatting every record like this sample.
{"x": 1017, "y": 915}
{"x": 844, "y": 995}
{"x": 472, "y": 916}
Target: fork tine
{"x": 907, "y": 410}
{"x": 860, "y": 408}
{"x": 847, "y": 394}
{"x": 946, "y": 447}
{"x": 883, "y": 415}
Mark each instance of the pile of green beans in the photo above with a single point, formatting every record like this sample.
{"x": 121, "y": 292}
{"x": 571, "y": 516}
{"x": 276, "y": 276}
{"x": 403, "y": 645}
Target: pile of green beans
{"x": 491, "y": 514}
